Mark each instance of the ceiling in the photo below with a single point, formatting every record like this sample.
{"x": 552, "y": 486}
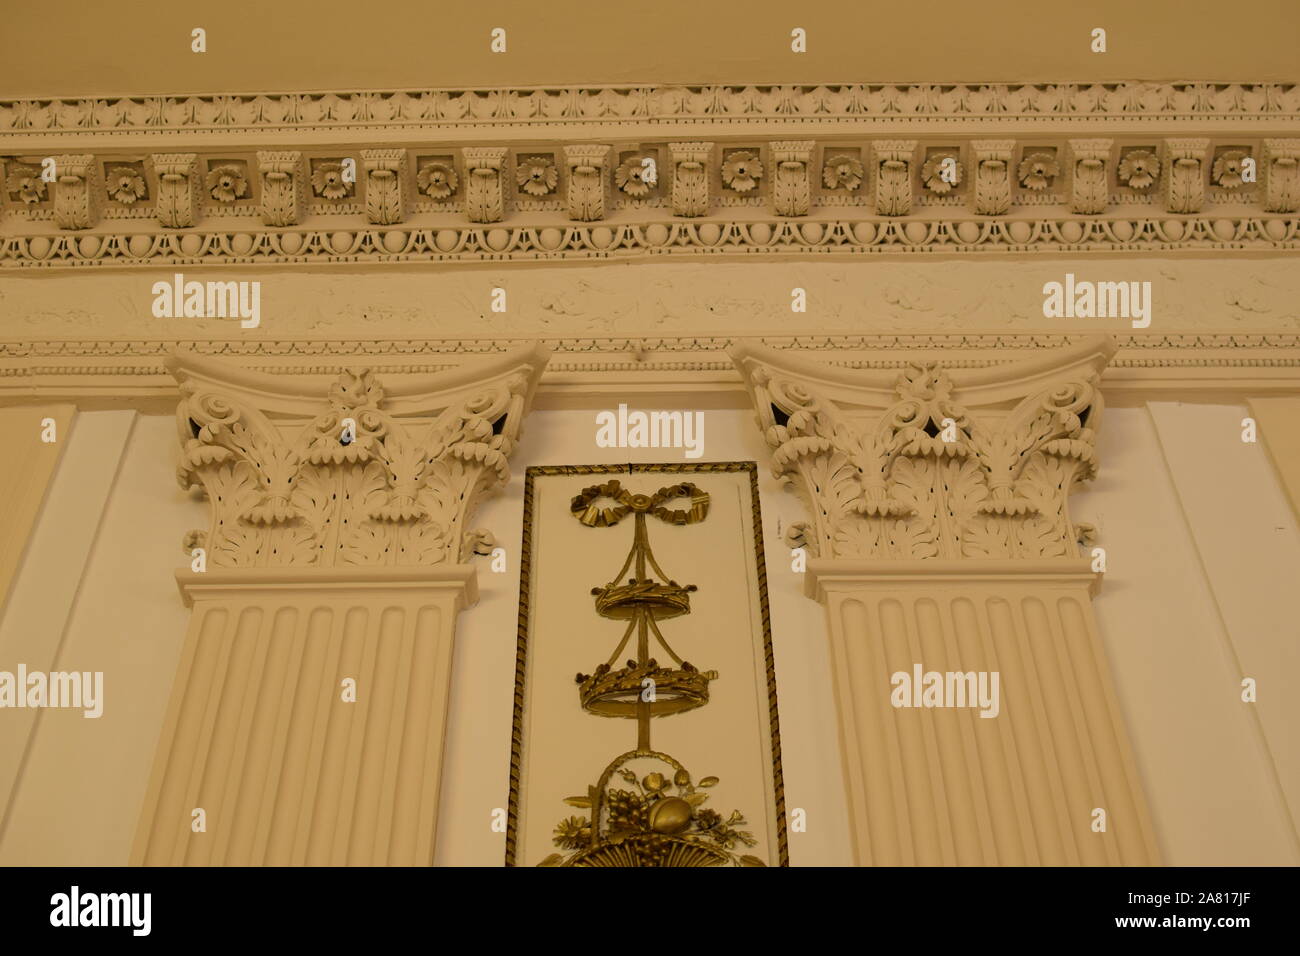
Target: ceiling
{"x": 143, "y": 46}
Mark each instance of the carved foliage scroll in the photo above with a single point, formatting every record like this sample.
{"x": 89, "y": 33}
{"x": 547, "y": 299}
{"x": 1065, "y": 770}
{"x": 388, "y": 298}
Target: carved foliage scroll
{"x": 894, "y": 177}
{"x": 1185, "y": 174}
{"x": 1089, "y": 187}
{"x": 484, "y": 187}
{"x": 586, "y": 167}
{"x": 386, "y": 186}
{"x": 1282, "y": 175}
{"x": 178, "y": 189}
{"x": 284, "y": 186}
{"x": 791, "y": 187}
{"x": 353, "y": 486}
{"x": 690, "y": 192}
{"x": 928, "y": 479}
{"x": 992, "y": 175}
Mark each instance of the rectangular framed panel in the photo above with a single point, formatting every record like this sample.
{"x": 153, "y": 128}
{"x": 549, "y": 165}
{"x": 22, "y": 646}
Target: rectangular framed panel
{"x": 645, "y": 715}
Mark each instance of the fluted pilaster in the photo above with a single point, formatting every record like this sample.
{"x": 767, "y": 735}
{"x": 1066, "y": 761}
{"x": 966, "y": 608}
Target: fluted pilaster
{"x": 307, "y": 719}
{"x": 941, "y": 544}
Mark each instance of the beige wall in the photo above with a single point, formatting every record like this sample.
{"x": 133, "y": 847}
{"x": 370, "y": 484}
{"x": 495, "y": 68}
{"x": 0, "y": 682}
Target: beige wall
{"x": 1190, "y": 601}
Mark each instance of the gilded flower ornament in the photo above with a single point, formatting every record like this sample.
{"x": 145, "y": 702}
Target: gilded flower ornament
{"x": 1228, "y": 169}
{"x": 328, "y": 181}
{"x": 437, "y": 180}
{"x": 1037, "y": 170}
{"x": 537, "y": 175}
{"x": 842, "y": 172}
{"x": 26, "y": 182}
{"x": 941, "y": 173}
{"x": 635, "y": 175}
{"x": 742, "y": 170}
{"x": 1139, "y": 169}
{"x": 125, "y": 185}
{"x": 226, "y": 183}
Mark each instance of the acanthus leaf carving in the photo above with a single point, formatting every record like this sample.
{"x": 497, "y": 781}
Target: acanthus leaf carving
{"x": 586, "y": 175}
{"x": 1184, "y": 174}
{"x": 76, "y": 191}
{"x": 1281, "y": 175}
{"x": 1089, "y": 186}
{"x": 791, "y": 185}
{"x": 893, "y": 174}
{"x": 177, "y": 204}
{"x": 905, "y": 471}
{"x": 365, "y": 481}
{"x": 484, "y": 185}
{"x": 284, "y": 186}
{"x": 387, "y": 192}
{"x": 690, "y": 184}
{"x": 992, "y": 175}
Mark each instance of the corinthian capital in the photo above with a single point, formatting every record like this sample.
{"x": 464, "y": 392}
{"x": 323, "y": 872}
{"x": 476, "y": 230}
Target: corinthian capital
{"x": 924, "y": 463}
{"x": 351, "y": 474}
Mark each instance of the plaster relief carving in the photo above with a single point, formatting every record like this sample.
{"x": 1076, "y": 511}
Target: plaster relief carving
{"x": 284, "y": 186}
{"x": 178, "y": 189}
{"x": 992, "y": 175}
{"x": 353, "y": 477}
{"x": 1281, "y": 175}
{"x": 894, "y": 176}
{"x": 484, "y": 188}
{"x": 1089, "y": 186}
{"x": 920, "y": 465}
{"x": 386, "y": 186}
{"x": 586, "y": 167}
{"x": 690, "y": 191}
{"x": 1185, "y": 174}
{"x": 76, "y": 191}
{"x": 791, "y": 186}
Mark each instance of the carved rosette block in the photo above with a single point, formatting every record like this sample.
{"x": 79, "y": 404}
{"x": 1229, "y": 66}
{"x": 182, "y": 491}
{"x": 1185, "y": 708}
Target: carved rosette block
{"x": 284, "y": 186}
{"x": 1089, "y": 182}
{"x": 1281, "y": 175}
{"x": 991, "y": 175}
{"x": 893, "y": 160}
{"x": 690, "y": 189}
{"x": 336, "y": 560}
{"x": 76, "y": 191}
{"x": 939, "y": 539}
{"x": 387, "y": 190}
{"x": 586, "y": 186}
{"x": 485, "y": 198}
{"x": 177, "y": 204}
{"x": 1185, "y": 171}
{"x": 791, "y": 182}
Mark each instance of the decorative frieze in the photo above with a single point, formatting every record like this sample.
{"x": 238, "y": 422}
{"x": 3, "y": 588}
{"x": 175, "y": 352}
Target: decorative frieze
{"x": 178, "y": 189}
{"x": 587, "y": 175}
{"x": 76, "y": 191}
{"x": 284, "y": 186}
{"x": 387, "y": 190}
{"x": 1089, "y": 175}
{"x": 485, "y": 199}
{"x": 873, "y": 103}
{"x": 1185, "y": 174}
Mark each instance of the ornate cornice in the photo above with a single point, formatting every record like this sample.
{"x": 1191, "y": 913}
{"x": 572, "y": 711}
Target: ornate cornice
{"x": 625, "y": 172}
{"x": 360, "y": 476}
{"x": 583, "y": 370}
{"x": 924, "y": 464}
{"x": 385, "y": 109}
